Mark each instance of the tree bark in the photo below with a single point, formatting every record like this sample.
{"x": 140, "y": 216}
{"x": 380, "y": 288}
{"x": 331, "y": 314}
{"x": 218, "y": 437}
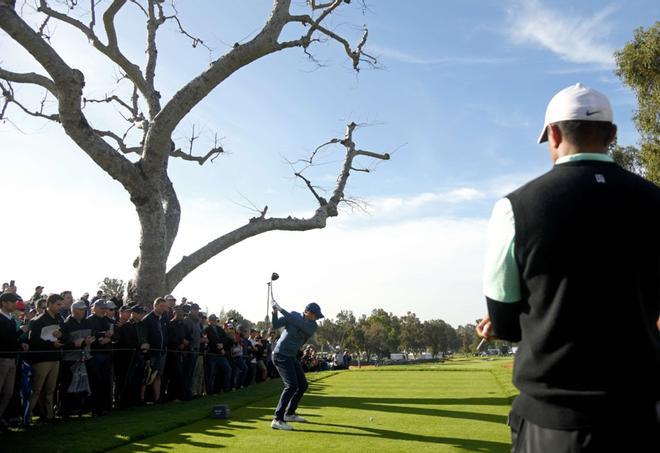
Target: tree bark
{"x": 149, "y": 281}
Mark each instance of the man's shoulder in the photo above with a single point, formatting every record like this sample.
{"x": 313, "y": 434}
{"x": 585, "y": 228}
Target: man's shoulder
{"x": 531, "y": 184}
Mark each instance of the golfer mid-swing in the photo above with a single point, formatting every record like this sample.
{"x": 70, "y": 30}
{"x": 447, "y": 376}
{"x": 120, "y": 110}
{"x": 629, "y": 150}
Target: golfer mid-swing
{"x": 297, "y": 330}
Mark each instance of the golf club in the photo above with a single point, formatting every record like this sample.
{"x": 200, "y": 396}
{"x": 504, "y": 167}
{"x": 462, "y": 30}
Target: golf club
{"x": 269, "y": 296}
{"x": 486, "y": 328}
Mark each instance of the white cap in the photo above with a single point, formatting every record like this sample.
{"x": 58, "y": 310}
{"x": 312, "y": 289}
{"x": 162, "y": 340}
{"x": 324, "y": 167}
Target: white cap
{"x": 576, "y": 102}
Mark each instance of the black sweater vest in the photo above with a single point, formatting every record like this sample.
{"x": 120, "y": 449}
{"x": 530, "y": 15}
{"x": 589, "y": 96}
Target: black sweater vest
{"x": 588, "y": 248}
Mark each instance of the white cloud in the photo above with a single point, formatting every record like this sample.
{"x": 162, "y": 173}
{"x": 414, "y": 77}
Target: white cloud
{"x": 415, "y": 202}
{"x": 574, "y": 38}
{"x": 386, "y": 53}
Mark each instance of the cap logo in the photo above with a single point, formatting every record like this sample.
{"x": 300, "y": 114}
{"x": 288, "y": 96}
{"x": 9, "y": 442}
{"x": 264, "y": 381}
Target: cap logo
{"x": 600, "y": 178}
{"x": 592, "y": 113}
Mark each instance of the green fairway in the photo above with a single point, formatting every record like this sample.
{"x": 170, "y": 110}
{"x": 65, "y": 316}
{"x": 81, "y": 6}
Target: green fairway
{"x": 459, "y": 405}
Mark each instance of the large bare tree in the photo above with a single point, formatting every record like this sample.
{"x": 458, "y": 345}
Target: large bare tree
{"x": 142, "y": 167}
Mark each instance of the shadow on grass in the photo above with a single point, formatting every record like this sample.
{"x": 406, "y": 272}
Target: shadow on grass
{"x": 469, "y": 444}
{"x": 221, "y": 431}
{"x": 412, "y": 406}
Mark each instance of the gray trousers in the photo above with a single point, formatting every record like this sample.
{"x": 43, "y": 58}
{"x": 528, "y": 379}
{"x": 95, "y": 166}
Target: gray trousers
{"x": 7, "y": 376}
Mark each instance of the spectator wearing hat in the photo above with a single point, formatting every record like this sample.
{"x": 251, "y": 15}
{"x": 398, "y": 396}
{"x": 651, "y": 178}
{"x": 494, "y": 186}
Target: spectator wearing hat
{"x": 124, "y": 315}
{"x": 194, "y": 336}
{"x": 77, "y": 338}
{"x": 298, "y": 328}
{"x": 111, "y": 312}
{"x": 140, "y": 339}
{"x": 124, "y": 355}
{"x": 100, "y": 365}
{"x": 45, "y": 336}
{"x": 156, "y": 323}
{"x": 131, "y": 340}
{"x": 216, "y": 357}
{"x": 21, "y": 318}
{"x": 9, "y": 346}
{"x": 177, "y": 344}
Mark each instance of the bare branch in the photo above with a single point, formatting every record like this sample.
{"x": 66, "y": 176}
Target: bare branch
{"x": 114, "y": 98}
{"x": 312, "y": 4}
{"x": 8, "y": 95}
{"x": 195, "y": 40}
{"x": 139, "y": 5}
{"x": 357, "y": 56}
{"x": 120, "y": 142}
{"x": 193, "y": 137}
{"x": 42, "y": 27}
{"x": 201, "y": 160}
{"x": 330, "y": 142}
{"x": 29, "y": 77}
{"x": 322, "y": 201}
{"x": 69, "y": 84}
{"x": 360, "y": 152}
{"x": 194, "y": 91}
{"x": 92, "y": 9}
{"x": 261, "y": 224}
{"x": 152, "y": 51}
{"x": 111, "y": 50}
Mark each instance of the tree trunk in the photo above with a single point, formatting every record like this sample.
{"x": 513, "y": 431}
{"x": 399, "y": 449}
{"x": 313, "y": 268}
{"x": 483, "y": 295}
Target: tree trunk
{"x": 149, "y": 281}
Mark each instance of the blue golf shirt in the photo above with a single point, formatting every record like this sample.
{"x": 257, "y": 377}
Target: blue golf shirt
{"x": 297, "y": 330}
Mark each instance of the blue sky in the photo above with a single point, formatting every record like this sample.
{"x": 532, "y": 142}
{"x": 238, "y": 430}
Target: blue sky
{"x": 459, "y": 98}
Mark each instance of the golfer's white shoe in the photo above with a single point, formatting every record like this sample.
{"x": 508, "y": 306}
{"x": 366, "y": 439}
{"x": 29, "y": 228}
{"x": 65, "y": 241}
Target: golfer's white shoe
{"x": 294, "y": 418}
{"x": 277, "y": 424}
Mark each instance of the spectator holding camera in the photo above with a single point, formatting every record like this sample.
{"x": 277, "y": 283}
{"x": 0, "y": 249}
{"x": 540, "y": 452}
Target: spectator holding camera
{"x": 77, "y": 341}
{"x": 45, "y": 339}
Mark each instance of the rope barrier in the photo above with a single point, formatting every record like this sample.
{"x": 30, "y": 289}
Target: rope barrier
{"x": 92, "y": 351}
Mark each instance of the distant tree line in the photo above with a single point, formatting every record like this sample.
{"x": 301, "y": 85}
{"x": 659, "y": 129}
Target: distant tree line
{"x": 382, "y": 333}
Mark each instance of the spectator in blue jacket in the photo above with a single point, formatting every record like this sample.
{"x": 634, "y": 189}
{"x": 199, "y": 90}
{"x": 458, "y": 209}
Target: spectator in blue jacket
{"x": 298, "y": 328}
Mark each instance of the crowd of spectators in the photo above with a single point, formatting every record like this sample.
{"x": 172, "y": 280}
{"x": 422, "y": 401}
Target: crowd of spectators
{"x": 60, "y": 358}
{"x": 312, "y": 361}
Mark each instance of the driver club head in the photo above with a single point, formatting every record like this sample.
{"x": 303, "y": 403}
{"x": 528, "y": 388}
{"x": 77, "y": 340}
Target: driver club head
{"x": 274, "y": 277}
